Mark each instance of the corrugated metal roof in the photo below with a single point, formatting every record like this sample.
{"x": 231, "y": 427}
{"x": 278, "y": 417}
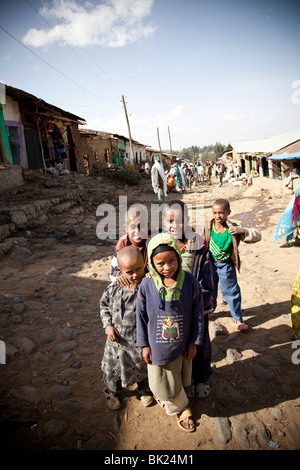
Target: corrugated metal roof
{"x": 27, "y": 98}
{"x": 268, "y": 145}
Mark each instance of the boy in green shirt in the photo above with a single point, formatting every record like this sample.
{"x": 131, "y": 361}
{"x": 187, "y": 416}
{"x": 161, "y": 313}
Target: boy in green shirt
{"x": 223, "y": 238}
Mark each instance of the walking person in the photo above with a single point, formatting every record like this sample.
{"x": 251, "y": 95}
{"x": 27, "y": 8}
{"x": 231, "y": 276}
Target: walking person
{"x": 159, "y": 182}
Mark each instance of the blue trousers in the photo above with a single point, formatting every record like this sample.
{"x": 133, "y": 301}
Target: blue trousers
{"x": 225, "y": 274}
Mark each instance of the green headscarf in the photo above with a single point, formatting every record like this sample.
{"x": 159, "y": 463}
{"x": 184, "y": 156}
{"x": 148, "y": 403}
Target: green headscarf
{"x": 165, "y": 293}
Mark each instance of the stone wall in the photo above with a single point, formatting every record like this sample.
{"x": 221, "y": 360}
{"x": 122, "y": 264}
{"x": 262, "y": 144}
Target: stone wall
{"x": 10, "y": 177}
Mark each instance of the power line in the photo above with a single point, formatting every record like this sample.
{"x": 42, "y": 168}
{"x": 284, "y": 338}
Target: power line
{"x": 56, "y": 69}
{"x": 82, "y": 47}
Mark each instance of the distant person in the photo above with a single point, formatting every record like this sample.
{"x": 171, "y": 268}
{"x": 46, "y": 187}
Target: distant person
{"x": 159, "y": 182}
{"x": 219, "y": 174}
{"x": 223, "y": 238}
{"x": 176, "y": 173}
{"x": 289, "y": 224}
{"x": 294, "y": 173}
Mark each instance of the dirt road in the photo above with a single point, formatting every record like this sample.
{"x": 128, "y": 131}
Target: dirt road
{"x": 51, "y": 282}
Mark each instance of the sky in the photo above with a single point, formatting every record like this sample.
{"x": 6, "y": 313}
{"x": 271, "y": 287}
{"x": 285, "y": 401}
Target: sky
{"x": 205, "y": 71}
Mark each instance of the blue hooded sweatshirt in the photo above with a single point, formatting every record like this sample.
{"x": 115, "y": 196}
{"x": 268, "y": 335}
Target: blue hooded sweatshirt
{"x": 168, "y": 318}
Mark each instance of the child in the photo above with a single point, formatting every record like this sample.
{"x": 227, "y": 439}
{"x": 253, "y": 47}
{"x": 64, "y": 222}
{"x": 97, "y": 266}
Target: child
{"x": 169, "y": 326}
{"x": 136, "y": 225}
{"x": 196, "y": 260}
{"x": 122, "y": 360}
{"x": 223, "y": 238}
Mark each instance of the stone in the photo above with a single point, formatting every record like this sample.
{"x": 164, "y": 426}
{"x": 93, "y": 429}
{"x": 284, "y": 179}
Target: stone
{"x": 55, "y": 427}
{"x": 11, "y": 352}
{"x": 19, "y": 217}
{"x": 292, "y": 432}
{"x": 233, "y": 355}
{"x": 85, "y": 352}
{"x": 249, "y": 430}
{"x": 71, "y": 404}
{"x": 21, "y": 253}
{"x": 222, "y": 430}
{"x": 268, "y": 361}
{"x": 66, "y": 347}
{"x": 239, "y": 430}
{"x": 262, "y": 373}
{"x": 61, "y": 391}
{"x": 26, "y": 393}
{"x": 69, "y": 333}
{"x": 216, "y": 329}
{"x": 28, "y": 346}
{"x": 94, "y": 443}
{"x": 47, "y": 335}
{"x": 4, "y": 231}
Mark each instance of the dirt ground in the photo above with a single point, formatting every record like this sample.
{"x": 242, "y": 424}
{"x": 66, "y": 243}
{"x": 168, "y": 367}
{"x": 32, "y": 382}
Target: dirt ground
{"x": 51, "y": 389}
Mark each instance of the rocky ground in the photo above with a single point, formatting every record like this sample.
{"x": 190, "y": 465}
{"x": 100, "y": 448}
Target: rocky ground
{"x": 53, "y": 271}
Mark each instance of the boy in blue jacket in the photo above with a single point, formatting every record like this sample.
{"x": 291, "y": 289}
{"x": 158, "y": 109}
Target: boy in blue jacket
{"x": 169, "y": 327}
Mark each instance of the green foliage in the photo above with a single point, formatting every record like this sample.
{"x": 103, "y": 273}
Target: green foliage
{"x": 129, "y": 176}
{"x": 208, "y": 152}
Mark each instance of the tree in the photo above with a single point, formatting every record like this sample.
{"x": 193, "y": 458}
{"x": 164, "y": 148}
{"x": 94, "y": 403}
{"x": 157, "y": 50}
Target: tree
{"x": 219, "y": 149}
{"x": 208, "y": 152}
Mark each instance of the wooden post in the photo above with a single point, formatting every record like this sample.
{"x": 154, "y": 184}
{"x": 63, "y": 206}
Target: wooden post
{"x": 130, "y": 140}
{"x": 41, "y": 144}
{"x": 170, "y": 142}
{"x": 159, "y": 145}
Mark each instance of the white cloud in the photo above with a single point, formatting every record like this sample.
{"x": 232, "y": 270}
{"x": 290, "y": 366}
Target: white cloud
{"x": 114, "y": 23}
{"x": 235, "y": 117}
{"x": 173, "y": 114}
{"x": 143, "y": 130}
{"x": 265, "y": 120}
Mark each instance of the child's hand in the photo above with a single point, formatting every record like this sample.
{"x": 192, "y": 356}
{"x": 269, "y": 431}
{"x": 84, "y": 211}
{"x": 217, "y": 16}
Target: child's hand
{"x": 236, "y": 230}
{"x": 147, "y": 356}
{"x": 112, "y": 333}
{"x": 123, "y": 281}
{"x": 148, "y": 275}
{"x": 190, "y": 351}
{"x": 192, "y": 245}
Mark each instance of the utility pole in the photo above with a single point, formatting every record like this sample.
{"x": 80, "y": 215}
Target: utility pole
{"x": 170, "y": 142}
{"x": 159, "y": 145}
{"x": 130, "y": 140}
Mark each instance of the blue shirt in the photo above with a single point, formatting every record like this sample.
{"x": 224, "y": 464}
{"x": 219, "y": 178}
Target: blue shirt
{"x": 168, "y": 326}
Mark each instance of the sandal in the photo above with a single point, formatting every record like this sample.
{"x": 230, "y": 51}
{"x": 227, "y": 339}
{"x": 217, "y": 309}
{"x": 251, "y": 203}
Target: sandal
{"x": 162, "y": 405}
{"x": 202, "y": 390}
{"x": 190, "y": 391}
{"x": 112, "y": 400}
{"x": 185, "y": 416}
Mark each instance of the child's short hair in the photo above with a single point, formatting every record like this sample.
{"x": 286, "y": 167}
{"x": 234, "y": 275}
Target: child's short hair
{"x": 222, "y": 202}
{"x": 129, "y": 251}
{"x": 136, "y": 210}
{"x": 170, "y": 206}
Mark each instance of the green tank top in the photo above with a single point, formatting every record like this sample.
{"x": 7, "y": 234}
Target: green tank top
{"x": 220, "y": 244}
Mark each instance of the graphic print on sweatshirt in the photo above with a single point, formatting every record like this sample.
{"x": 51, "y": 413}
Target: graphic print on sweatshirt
{"x": 169, "y": 328}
